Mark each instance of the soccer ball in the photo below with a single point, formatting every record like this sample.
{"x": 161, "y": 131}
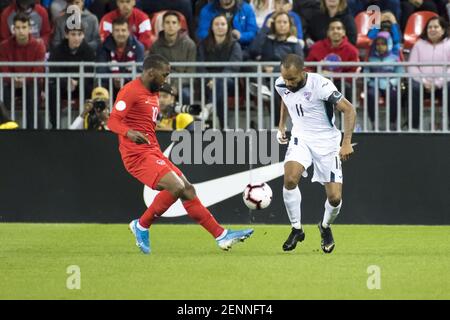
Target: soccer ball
{"x": 257, "y": 196}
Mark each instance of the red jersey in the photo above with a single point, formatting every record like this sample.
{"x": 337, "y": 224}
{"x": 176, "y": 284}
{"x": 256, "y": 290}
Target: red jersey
{"x": 138, "y": 22}
{"x": 135, "y": 108}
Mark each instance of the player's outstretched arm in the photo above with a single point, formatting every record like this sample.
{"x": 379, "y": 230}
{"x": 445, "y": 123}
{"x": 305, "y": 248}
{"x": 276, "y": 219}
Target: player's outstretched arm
{"x": 349, "y": 125}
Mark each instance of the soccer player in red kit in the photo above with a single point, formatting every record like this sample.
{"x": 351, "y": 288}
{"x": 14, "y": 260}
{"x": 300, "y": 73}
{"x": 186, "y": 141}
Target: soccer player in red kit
{"x": 133, "y": 119}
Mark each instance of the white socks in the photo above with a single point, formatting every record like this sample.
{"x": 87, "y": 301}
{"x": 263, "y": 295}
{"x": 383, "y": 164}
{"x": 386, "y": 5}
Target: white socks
{"x": 222, "y": 235}
{"x": 292, "y": 200}
{"x": 138, "y": 225}
{"x": 330, "y": 214}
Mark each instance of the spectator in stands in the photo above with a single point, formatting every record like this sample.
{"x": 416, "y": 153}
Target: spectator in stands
{"x": 411, "y": 6}
{"x": 39, "y": 23}
{"x": 95, "y": 113}
{"x": 175, "y": 45}
{"x": 240, "y": 15}
{"x": 273, "y": 44}
{"x": 262, "y": 8}
{"x": 335, "y": 48}
{"x": 91, "y": 35}
{"x": 382, "y": 51}
{"x": 319, "y": 23}
{"x": 5, "y": 121}
{"x": 389, "y": 24}
{"x": 55, "y": 8}
{"x": 432, "y": 47}
{"x": 138, "y": 22}
{"x": 72, "y": 49}
{"x": 306, "y": 9}
{"x": 170, "y": 119}
{"x": 120, "y": 46}
{"x": 22, "y": 47}
{"x": 182, "y": 6}
{"x": 286, "y": 6}
{"x": 219, "y": 46}
{"x": 356, "y": 6}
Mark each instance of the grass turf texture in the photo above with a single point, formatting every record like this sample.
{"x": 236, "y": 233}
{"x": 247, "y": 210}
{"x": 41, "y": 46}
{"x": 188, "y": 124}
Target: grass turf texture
{"x": 187, "y": 264}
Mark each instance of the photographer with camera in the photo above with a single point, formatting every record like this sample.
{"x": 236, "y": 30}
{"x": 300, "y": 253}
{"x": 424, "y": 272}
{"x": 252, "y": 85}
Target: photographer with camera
{"x": 96, "y": 112}
{"x": 173, "y": 115}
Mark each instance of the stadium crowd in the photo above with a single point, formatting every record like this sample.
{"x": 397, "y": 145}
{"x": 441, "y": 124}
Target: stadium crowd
{"x": 217, "y": 30}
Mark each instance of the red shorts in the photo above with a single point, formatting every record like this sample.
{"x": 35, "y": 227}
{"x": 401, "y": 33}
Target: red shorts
{"x": 149, "y": 167}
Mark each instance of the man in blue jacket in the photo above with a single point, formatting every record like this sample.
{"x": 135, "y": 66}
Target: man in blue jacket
{"x": 238, "y": 12}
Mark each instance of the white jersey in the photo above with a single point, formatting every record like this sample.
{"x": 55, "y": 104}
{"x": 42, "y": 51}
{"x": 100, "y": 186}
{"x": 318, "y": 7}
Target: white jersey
{"x": 310, "y": 108}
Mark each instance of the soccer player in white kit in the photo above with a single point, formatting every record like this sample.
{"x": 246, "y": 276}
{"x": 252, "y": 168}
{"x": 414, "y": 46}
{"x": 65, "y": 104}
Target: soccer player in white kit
{"x": 310, "y": 100}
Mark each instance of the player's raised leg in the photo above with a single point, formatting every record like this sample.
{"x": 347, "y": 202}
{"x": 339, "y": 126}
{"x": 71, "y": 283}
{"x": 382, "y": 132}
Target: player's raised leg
{"x": 332, "y": 208}
{"x": 225, "y": 238}
{"x": 292, "y": 200}
{"x": 172, "y": 187}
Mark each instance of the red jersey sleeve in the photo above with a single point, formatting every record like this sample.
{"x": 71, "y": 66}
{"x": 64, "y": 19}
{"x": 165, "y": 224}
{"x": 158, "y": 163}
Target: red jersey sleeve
{"x": 144, "y": 28}
{"x": 125, "y": 100}
{"x": 105, "y": 25}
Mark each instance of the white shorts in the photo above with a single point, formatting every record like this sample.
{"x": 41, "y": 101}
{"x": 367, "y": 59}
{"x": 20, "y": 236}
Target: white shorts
{"x": 324, "y": 156}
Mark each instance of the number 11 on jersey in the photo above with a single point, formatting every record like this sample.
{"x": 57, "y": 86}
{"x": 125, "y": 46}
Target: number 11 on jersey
{"x": 299, "y": 110}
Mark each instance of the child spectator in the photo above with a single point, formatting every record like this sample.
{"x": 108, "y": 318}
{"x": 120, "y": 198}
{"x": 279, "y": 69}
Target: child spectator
{"x": 382, "y": 51}
{"x": 389, "y": 24}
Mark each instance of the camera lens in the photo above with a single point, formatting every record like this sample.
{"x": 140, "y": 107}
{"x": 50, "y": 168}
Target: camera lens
{"x": 99, "y": 105}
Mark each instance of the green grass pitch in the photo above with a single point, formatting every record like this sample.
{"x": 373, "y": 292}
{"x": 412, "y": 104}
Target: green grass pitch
{"x": 413, "y": 261}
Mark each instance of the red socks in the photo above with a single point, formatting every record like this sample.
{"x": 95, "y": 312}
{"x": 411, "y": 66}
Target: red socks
{"x": 197, "y": 211}
{"x": 160, "y": 204}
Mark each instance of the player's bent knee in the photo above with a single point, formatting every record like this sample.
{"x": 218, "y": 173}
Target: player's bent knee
{"x": 188, "y": 192}
{"x": 290, "y": 182}
{"x": 334, "y": 200}
{"x": 177, "y": 190}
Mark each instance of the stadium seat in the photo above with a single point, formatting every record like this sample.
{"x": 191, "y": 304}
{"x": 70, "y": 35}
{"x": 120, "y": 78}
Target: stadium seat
{"x": 157, "y": 22}
{"x": 414, "y": 27}
{"x": 362, "y": 21}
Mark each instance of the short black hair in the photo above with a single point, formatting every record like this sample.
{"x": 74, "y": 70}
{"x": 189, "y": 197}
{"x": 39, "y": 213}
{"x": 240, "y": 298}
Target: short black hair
{"x": 292, "y": 59}
{"x": 22, "y": 17}
{"x": 333, "y": 20}
{"x": 120, "y": 21}
{"x": 155, "y": 61}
